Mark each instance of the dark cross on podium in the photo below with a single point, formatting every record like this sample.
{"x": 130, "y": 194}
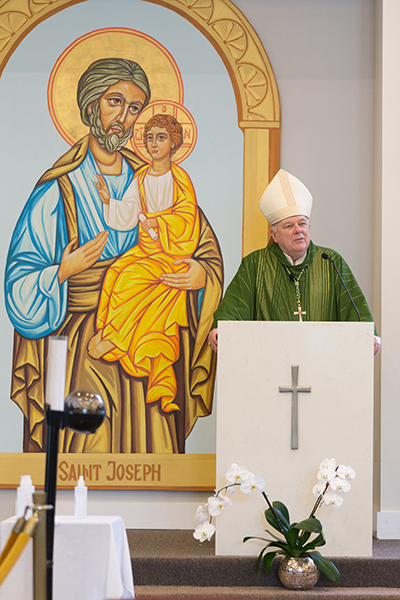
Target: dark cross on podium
{"x": 295, "y": 408}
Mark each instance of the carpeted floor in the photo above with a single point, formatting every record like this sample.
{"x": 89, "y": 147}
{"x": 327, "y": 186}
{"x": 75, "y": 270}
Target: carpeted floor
{"x": 171, "y": 564}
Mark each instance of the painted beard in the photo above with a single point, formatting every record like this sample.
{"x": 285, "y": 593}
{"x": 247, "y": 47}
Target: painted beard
{"x": 109, "y": 141}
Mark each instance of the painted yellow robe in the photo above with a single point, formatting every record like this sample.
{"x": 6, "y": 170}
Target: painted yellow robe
{"x": 138, "y": 313}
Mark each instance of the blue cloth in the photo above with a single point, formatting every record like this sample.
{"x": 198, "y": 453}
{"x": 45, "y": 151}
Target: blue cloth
{"x": 35, "y": 301}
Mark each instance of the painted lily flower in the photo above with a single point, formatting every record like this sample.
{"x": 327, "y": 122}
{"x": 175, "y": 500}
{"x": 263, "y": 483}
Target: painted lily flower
{"x": 217, "y": 504}
{"x": 202, "y": 513}
{"x": 236, "y": 474}
{"x": 252, "y": 483}
{"x": 204, "y": 532}
{"x": 332, "y": 499}
{"x": 340, "y": 485}
{"x": 346, "y": 472}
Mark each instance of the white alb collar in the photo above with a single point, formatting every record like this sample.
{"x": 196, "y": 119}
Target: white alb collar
{"x": 294, "y": 263}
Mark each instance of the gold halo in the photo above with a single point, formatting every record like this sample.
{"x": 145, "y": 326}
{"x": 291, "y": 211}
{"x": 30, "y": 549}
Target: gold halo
{"x": 114, "y": 42}
{"x": 181, "y": 114}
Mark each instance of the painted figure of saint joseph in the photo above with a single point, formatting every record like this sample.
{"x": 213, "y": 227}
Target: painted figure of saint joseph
{"x": 58, "y": 257}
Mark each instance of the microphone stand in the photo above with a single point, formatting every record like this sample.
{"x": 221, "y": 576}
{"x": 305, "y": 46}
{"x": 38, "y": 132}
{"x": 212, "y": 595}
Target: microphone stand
{"x": 84, "y": 412}
{"x": 327, "y": 257}
{"x": 55, "y": 422}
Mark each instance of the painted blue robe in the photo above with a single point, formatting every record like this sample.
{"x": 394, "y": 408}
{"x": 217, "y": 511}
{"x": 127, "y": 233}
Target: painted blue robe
{"x": 35, "y": 301}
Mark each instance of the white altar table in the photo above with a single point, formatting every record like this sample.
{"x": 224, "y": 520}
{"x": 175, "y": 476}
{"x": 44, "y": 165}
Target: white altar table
{"x": 91, "y": 561}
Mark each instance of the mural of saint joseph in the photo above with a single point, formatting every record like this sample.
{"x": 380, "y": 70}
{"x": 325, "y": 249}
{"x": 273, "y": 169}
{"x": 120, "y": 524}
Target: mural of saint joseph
{"x": 58, "y": 258}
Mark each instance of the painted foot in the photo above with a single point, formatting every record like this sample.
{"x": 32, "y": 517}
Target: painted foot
{"x": 96, "y": 339}
{"x": 98, "y": 347}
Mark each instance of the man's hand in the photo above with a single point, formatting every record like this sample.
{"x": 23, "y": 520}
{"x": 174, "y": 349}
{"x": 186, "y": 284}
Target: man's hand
{"x": 102, "y": 189}
{"x": 76, "y": 261}
{"x": 213, "y": 339}
{"x": 193, "y": 279}
{"x": 377, "y": 344}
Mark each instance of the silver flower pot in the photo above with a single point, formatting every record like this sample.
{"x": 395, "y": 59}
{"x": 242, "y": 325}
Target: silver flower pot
{"x": 298, "y": 573}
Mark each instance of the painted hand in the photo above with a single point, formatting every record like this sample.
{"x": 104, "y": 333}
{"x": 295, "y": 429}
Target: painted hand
{"x": 193, "y": 279}
{"x": 213, "y": 339}
{"x": 76, "y": 261}
{"x": 102, "y": 189}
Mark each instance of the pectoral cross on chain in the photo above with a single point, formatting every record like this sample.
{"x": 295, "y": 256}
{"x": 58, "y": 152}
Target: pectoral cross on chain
{"x": 300, "y": 312}
{"x": 295, "y": 408}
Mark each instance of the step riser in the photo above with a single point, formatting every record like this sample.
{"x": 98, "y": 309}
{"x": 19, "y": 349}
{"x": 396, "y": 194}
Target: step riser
{"x": 240, "y": 572}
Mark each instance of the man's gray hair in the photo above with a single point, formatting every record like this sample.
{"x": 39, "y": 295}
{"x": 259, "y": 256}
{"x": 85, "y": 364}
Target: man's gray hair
{"x": 102, "y": 74}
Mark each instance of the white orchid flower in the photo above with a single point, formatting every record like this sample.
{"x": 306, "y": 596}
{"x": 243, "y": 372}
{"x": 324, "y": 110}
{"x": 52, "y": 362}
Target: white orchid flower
{"x": 328, "y": 463}
{"x": 332, "y": 499}
{"x": 231, "y": 490}
{"x": 217, "y": 503}
{"x": 202, "y": 513}
{"x": 346, "y": 472}
{"x": 204, "y": 532}
{"x": 236, "y": 474}
{"x": 340, "y": 485}
{"x": 326, "y": 474}
{"x": 318, "y": 488}
{"x": 252, "y": 483}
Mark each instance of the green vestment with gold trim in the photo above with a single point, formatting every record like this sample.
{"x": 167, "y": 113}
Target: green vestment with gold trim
{"x": 262, "y": 289}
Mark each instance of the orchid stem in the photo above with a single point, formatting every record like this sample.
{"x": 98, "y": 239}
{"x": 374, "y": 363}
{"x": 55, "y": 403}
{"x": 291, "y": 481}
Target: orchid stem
{"x": 226, "y": 487}
{"x": 320, "y": 497}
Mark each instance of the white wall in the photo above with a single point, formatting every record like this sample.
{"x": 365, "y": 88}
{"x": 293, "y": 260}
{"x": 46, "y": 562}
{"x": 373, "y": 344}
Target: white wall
{"x": 387, "y": 518}
{"x": 322, "y": 53}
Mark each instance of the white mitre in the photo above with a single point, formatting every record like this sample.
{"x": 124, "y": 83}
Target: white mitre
{"x": 285, "y": 197}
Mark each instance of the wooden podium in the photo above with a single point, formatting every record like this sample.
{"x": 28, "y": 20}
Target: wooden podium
{"x": 257, "y": 426}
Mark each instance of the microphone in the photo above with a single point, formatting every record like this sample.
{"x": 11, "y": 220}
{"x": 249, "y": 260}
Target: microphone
{"x": 291, "y": 277}
{"x": 327, "y": 257}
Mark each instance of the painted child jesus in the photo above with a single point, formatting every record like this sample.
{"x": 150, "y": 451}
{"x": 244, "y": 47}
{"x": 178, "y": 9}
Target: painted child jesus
{"x": 139, "y": 316}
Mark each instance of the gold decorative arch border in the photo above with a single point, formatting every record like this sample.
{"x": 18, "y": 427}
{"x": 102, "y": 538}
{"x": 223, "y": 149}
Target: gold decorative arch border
{"x": 249, "y": 68}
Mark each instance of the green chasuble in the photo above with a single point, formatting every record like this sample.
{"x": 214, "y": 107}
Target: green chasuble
{"x": 262, "y": 289}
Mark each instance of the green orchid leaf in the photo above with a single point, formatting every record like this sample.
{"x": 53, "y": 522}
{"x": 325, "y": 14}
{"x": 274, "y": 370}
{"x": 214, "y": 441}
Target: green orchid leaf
{"x": 292, "y": 535}
{"x": 271, "y": 520}
{"x": 310, "y": 546}
{"x": 317, "y": 542}
{"x": 268, "y": 560}
{"x": 282, "y": 511}
{"x": 287, "y": 550}
{"x": 320, "y": 540}
{"x": 270, "y": 542}
{"x": 305, "y": 537}
{"x": 273, "y": 535}
{"x": 324, "y": 565}
{"x": 311, "y": 524}
{"x": 259, "y": 559}
{"x": 285, "y": 524}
